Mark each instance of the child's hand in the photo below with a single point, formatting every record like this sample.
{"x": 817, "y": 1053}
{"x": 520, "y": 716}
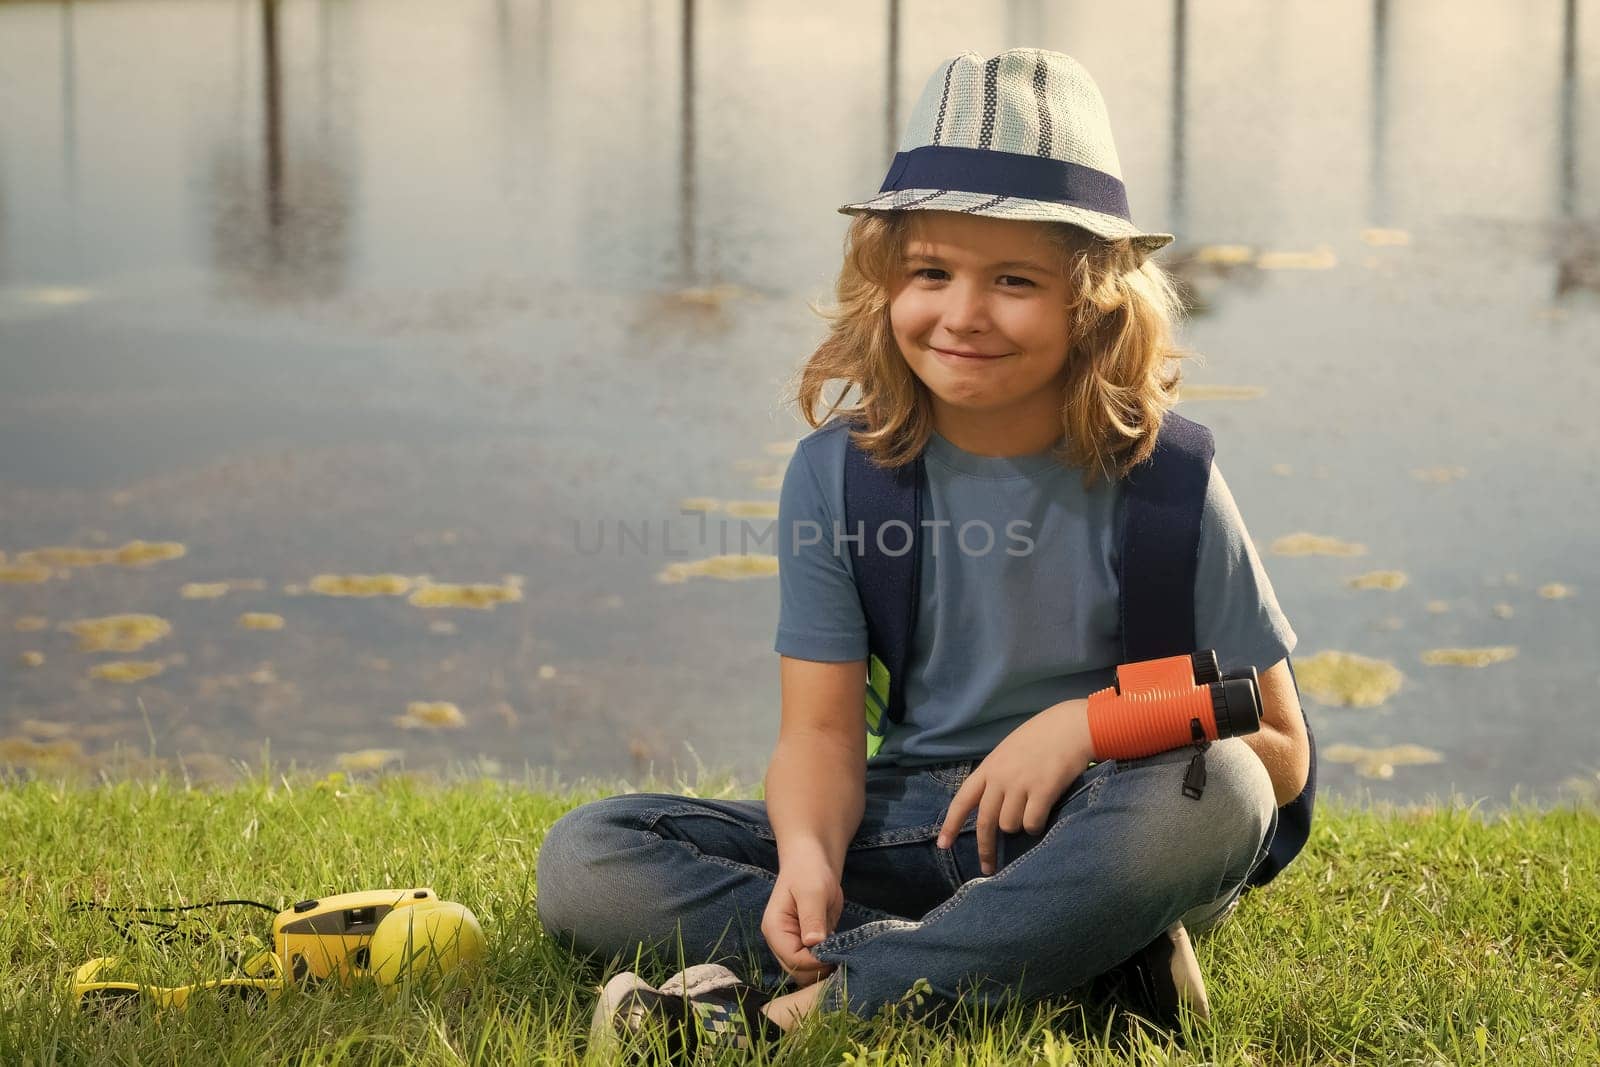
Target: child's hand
{"x": 1018, "y": 783}
{"x": 803, "y": 909}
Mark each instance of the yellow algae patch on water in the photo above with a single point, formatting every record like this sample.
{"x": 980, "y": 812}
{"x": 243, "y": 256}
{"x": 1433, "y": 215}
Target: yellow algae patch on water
{"x": 546, "y": 672}
{"x": 1550, "y": 591}
{"x": 1224, "y": 255}
{"x": 482, "y": 596}
{"x": 1221, "y": 392}
{"x": 1382, "y": 237}
{"x": 260, "y": 620}
{"x": 126, "y": 670}
{"x": 65, "y": 556}
{"x": 1347, "y": 680}
{"x": 709, "y": 297}
{"x": 1441, "y": 475}
{"x": 780, "y": 448}
{"x": 203, "y": 590}
{"x": 1319, "y": 258}
{"x": 30, "y": 753}
{"x": 361, "y": 584}
{"x": 1390, "y": 624}
{"x": 699, "y": 503}
{"x": 1378, "y": 580}
{"x": 368, "y": 759}
{"x": 441, "y": 626}
{"x": 431, "y": 715}
{"x": 1309, "y": 544}
{"x": 25, "y": 572}
{"x": 1381, "y": 762}
{"x": 56, "y": 295}
{"x": 1468, "y": 657}
{"x": 31, "y": 659}
{"x": 29, "y": 623}
{"x": 132, "y": 554}
{"x": 1438, "y": 607}
{"x": 1503, "y": 610}
{"x": 769, "y": 481}
{"x": 1282, "y": 470}
{"x": 729, "y": 568}
{"x": 141, "y": 553}
{"x": 119, "y": 633}
{"x": 753, "y": 509}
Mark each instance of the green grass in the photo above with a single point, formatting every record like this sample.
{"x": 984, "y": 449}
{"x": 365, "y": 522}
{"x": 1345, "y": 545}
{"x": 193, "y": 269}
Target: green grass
{"x": 1400, "y": 936}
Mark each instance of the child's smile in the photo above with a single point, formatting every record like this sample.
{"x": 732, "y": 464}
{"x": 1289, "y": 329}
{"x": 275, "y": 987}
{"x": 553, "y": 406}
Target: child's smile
{"x": 979, "y": 314}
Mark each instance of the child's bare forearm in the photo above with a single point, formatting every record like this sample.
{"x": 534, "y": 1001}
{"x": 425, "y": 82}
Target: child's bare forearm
{"x": 816, "y": 792}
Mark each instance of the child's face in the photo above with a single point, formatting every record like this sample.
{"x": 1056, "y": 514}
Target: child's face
{"x": 964, "y": 288}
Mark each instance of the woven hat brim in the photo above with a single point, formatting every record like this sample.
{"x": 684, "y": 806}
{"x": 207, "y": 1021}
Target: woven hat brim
{"x": 1009, "y": 207}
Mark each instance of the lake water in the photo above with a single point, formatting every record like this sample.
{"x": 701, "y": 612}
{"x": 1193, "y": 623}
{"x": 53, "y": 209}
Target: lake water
{"x": 322, "y": 288}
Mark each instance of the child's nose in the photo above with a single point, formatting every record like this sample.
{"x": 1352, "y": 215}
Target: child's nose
{"x": 966, "y": 308}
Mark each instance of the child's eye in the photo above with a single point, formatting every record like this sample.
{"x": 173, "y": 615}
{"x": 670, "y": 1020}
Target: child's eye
{"x": 925, "y": 271}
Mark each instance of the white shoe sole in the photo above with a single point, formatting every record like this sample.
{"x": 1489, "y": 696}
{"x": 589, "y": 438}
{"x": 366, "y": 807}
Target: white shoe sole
{"x": 1186, "y": 976}
{"x": 603, "y": 1028}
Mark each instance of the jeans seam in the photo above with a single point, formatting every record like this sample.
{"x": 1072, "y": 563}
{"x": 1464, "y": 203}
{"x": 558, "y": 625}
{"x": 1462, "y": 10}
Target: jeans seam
{"x": 650, "y": 816}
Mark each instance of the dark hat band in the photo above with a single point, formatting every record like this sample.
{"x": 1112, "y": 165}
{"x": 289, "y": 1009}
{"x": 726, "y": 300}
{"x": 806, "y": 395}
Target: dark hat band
{"x": 979, "y": 170}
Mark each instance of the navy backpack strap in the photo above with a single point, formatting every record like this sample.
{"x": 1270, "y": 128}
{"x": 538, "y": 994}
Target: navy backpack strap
{"x": 1163, "y": 499}
{"x": 885, "y": 508}
{"x": 1294, "y": 818}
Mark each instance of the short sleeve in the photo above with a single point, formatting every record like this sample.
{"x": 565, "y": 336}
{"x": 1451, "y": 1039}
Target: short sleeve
{"x": 819, "y": 610}
{"x": 1236, "y": 611}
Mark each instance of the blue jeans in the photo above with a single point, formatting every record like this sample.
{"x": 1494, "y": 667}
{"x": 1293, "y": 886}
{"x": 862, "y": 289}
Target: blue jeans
{"x": 1125, "y": 854}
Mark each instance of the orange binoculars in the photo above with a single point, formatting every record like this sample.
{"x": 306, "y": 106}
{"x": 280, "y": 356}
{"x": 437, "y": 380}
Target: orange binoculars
{"x": 1161, "y": 704}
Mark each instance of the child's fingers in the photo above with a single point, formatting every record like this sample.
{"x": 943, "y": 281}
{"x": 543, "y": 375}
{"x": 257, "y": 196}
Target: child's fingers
{"x": 1011, "y": 811}
{"x": 961, "y": 805}
{"x": 988, "y": 816}
{"x": 811, "y": 907}
{"x": 1037, "y": 815}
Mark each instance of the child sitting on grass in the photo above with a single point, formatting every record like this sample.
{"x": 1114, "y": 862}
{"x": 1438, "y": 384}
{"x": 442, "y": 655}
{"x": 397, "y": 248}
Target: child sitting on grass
{"x": 1009, "y": 339}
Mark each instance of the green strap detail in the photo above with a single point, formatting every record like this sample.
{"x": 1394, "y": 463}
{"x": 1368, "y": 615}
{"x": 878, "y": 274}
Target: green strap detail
{"x": 877, "y": 704}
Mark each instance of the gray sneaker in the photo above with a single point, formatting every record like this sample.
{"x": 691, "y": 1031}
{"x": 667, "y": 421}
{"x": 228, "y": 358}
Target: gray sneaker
{"x": 704, "y": 1006}
{"x": 1160, "y": 980}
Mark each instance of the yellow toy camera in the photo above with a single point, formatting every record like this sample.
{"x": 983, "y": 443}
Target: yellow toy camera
{"x": 391, "y": 935}
{"x": 331, "y": 938}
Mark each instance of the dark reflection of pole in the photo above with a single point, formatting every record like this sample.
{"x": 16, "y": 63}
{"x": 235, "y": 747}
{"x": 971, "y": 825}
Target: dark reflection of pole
{"x": 279, "y": 192}
{"x": 1568, "y": 169}
{"x": 891, "y": 133}
{"x": 686, "y": 190}
{"x": 1577, "y": 240}
{"x": 1377, "y": 187}
{"x": 1180, "y": 32}
{"x": 272, "y": 116}
{"x": 69, "y": 104}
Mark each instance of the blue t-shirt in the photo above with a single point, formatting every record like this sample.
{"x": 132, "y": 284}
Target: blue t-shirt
{"x": 1019, "y": 592}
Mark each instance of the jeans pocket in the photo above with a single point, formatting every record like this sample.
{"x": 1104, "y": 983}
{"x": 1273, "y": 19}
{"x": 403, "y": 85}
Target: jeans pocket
{"x": 950, "y": 775}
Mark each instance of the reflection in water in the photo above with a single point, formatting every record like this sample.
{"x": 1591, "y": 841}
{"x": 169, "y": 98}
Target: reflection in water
{"x": 686, "y": 185}
{"x": 1577, "y": 240}
{"x": 1567, "y": 169}
{"x": 1180, "y": 34}
{"x": 1377, "y": 185}
{"x": 891, "y": 125}
{"x": 69, "y": 108}
{"x": 281, "y": 234}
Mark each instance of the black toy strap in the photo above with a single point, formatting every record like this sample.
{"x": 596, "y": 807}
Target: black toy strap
{"x": 172, "y": 929}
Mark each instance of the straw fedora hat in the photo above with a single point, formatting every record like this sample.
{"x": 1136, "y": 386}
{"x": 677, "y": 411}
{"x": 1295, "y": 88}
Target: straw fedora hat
{"x": 1020, "y": 135}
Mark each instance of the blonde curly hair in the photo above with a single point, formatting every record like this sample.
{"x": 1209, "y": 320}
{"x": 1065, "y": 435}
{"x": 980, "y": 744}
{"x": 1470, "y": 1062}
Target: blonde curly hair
{"x": 1122, "y": 370}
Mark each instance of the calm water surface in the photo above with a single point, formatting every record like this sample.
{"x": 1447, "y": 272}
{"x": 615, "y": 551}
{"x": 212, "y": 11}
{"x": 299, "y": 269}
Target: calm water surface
{"x": 359, "y": 288}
